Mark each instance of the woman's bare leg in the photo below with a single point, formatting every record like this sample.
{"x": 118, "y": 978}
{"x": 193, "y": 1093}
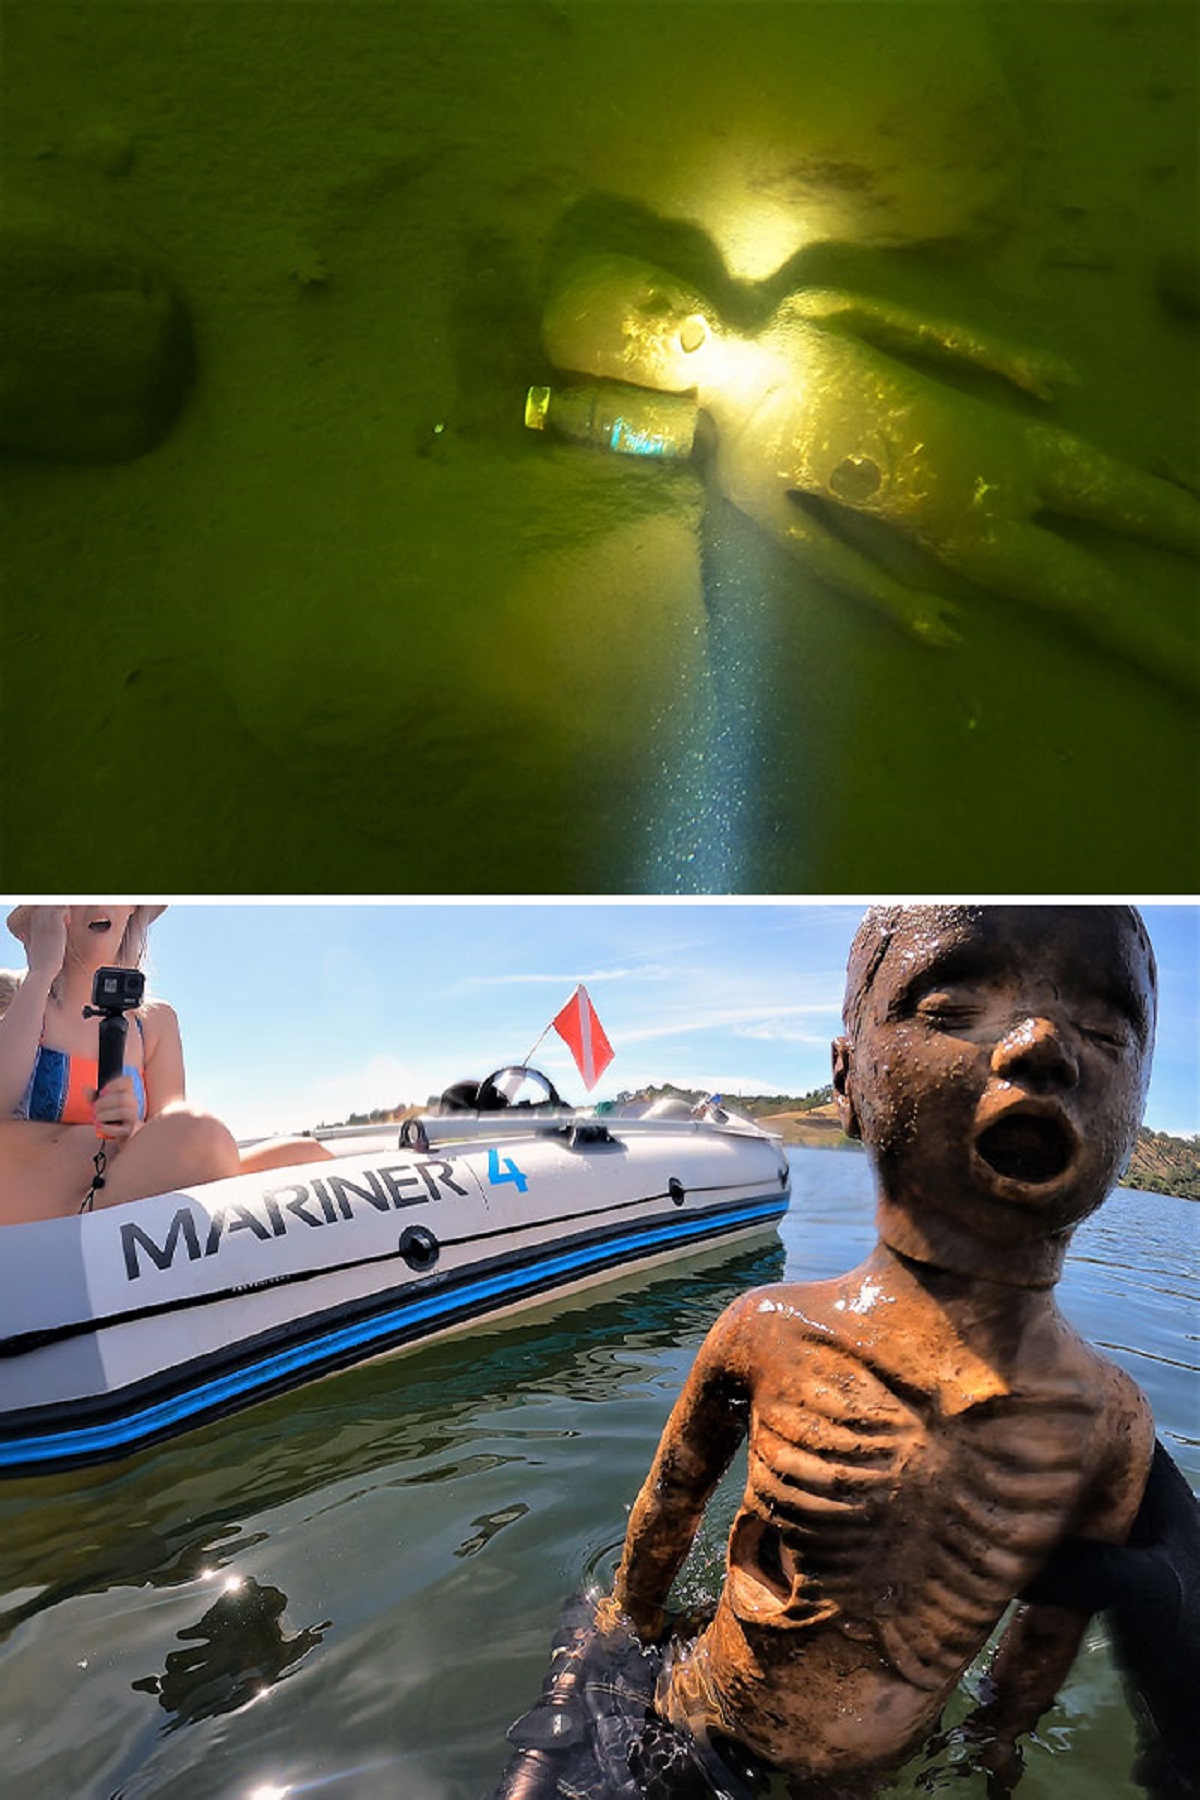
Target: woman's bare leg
{"x": 44, "y": 1169}
{"x": 283, "y": 1153}
{"x": 179, "y": 1148}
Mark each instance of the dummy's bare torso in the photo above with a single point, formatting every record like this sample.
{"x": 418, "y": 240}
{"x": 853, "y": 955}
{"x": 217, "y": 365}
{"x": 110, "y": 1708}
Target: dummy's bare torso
{"x": 903, "y": 1483}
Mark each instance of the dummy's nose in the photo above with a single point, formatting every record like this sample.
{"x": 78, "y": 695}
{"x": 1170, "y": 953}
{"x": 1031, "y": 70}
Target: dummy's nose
{"x": 1034, "y": 1050}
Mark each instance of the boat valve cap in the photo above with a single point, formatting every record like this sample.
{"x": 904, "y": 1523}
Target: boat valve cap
{"x": 418, "y": 1246}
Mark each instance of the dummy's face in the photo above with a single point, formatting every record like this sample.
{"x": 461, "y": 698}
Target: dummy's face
{"x": 94, "y": 933}
{"x": 999, "y": 1071}
{"x": 622, "y": 320}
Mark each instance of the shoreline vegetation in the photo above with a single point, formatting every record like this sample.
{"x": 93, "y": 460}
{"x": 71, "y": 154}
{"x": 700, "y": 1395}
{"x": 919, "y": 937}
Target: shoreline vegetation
{"x": 1161, "y": 1164}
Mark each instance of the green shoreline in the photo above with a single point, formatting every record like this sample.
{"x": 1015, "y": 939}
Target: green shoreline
{"x": 1161, "y": 1164}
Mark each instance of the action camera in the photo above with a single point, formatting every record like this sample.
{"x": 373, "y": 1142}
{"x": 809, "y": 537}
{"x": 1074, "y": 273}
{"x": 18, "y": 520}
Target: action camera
{"x": 114, "y": 993}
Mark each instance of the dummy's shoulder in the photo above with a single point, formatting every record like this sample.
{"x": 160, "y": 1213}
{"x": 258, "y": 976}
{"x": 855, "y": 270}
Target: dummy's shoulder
{"x": 741, "y": 1337}
{"x": 1119, "y": 1396}
{"x": 1130, "y": 1419}
{"x": 1123, "y": 1446}
{"x": 783, "y": 1306}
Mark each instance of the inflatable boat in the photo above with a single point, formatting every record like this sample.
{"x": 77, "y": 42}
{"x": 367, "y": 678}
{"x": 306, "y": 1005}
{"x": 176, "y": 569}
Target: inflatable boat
{"x": 130, "y": 1324}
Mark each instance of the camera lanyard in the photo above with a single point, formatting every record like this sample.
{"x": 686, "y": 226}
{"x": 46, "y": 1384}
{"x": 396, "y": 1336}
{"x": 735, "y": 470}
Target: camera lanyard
{"x": 100, "y": 1164}
{"x": 113, "y": 1028}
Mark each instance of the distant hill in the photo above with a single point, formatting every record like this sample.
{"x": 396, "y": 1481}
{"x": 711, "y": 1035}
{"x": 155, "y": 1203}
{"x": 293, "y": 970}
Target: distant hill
{"x": 809, "y": 1119}
{"x": 1161, "y": 1164}
{"x": 1165, "y": 1165}
{"x": 817, "y": 1127}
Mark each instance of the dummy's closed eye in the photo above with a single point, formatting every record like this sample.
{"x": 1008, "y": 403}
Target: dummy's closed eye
{"x": 1109, "y": 1034}
{"x": 947, "y": 1006}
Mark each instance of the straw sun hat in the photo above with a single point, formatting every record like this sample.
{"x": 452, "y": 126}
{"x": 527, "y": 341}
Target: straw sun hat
{"x": 21, "y": 918}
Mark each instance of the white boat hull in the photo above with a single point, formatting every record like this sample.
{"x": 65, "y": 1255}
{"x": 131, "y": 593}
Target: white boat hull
{"x": 130, "y": 1324}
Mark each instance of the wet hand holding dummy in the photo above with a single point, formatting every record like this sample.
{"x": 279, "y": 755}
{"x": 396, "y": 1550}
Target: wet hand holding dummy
{"x": 923, "y": 1431}
{"x": 1150, "y": 1588}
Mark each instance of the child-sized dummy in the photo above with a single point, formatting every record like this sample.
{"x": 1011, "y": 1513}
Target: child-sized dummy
{"x": 926, "y": 1431}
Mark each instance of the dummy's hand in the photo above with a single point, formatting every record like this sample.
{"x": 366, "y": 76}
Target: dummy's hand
{"x": 997, "y": 1753}
{"x": 1000, "y": 1755}
{"x": 48, "y": 939}
{"x": 116, "y": 1110}
{"x": 650, "y": 1623}
{"x": 610, "y": 1615}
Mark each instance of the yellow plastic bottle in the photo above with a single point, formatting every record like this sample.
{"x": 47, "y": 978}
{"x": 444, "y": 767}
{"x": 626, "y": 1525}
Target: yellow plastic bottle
{"x": 632, "y": 421}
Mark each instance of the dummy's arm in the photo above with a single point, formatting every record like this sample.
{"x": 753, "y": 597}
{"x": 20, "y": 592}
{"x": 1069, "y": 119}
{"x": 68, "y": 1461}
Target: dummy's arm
{"x": 1037, "y": 372}
{"x": 1033, "y": 1660}
{"x": 703, "y": 1432}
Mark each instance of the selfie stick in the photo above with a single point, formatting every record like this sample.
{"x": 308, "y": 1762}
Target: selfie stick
{"x": 110, "y": 1064}
{"x": 113, "y": 1029}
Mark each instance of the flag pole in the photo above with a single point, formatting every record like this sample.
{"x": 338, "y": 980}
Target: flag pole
{"x": 536, "y": 1042}
{"x": 548, "y": 1030}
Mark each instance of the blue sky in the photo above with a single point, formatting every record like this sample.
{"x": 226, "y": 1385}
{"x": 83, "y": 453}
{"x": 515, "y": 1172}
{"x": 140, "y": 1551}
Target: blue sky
{"x": 297, "y": 1013}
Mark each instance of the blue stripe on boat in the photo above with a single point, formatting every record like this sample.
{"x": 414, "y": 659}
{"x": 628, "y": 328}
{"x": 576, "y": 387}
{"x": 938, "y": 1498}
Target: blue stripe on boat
{"x": 364, "y": 1337}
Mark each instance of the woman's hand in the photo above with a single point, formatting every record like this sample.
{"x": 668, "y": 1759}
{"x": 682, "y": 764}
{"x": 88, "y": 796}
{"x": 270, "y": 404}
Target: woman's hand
{"x": 116, "y": 1110}
{"x": 47, "y": 940}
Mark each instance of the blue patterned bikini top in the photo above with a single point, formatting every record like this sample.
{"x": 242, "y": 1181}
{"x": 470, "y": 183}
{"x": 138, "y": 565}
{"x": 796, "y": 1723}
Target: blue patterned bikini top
{"x": 60, "y": 1083}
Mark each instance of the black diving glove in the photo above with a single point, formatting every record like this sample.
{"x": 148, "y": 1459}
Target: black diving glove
{"x": 1150, "y": 1586}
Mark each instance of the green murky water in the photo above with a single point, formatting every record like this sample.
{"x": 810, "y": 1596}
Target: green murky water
{"x": 351, "y": 628}
{"x": 352, "y": 1590}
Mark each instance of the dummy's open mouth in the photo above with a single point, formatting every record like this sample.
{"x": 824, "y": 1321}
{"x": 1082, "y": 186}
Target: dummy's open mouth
{"x": 100, "y": 925}
{"x": 1027, "y": 1147}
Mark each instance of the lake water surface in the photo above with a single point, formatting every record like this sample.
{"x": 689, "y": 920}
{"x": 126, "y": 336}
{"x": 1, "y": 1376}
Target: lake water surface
{"x": 351, "y": 1591}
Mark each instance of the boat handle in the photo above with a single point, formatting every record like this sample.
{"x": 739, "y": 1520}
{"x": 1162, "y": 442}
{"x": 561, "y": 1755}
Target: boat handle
{"x": 413, "y": 1135}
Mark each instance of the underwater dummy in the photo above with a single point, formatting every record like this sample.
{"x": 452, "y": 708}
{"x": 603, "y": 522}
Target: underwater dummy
{"x": 929, "y": 1440}
{"x": 816, "y": 417}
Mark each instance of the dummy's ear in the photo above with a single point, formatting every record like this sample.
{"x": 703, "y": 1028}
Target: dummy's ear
{"x": 841, "y": 1088}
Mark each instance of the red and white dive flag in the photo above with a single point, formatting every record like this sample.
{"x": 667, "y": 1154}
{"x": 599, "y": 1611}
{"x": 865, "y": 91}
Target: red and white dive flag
{"x": 583, "y": 1034}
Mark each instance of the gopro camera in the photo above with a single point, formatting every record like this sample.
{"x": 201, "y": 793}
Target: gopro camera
{"x": 117, "y": 990}
{"x": 114, "y": 993}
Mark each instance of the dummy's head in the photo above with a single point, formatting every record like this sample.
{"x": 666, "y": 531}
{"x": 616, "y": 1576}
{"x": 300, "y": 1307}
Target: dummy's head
{"x": 995, "y": 1063}
{"x": 618, "y": 318}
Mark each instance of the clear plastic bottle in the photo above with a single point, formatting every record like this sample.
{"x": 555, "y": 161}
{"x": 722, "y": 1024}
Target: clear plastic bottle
{"x": 630, "y": 420}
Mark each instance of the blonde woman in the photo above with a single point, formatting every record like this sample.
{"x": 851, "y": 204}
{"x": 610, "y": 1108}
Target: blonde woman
{"x": 53, "y": 1120}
